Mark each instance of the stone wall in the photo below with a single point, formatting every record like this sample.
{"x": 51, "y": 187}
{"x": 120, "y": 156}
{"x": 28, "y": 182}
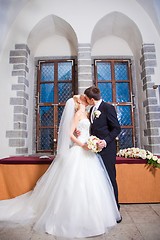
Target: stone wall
{"x": 84, "y": 67}
{"x": 150, "y": 103}
{"x": 18, "y": 135}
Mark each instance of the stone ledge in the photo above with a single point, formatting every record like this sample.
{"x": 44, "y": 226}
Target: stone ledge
{"x": 20, "y": 118}
{"x": 23, "y": 80}
{"x": 22, "y": 46}
{"x": 20, "y": 126}
{"x": 146, "y": 72}
{"x": 18, "y": 60}
{"x": 19, "y": 73}
{"x": 16, "y": 142}
{"x": 151, "y": 101}
{"x": 17, "y": 101}
{"x": 148, "y": 48}
{"x": 16, "y": 134}
{"x": 50, "y": 158}
{"x": 20, "y": 67}
{"x": 19, "y": 53}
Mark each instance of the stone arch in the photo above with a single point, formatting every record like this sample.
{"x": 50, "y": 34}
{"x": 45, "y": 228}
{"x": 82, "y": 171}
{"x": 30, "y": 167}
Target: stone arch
{"x": 23, "y": 58}
{"x": 50, "y": 26}
{"x": 144, "y": 63}
{"x": 120, "y": 25}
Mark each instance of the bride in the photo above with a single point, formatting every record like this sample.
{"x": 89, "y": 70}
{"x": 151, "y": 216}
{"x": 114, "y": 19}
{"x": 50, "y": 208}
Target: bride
{"x": 74, "y": 198}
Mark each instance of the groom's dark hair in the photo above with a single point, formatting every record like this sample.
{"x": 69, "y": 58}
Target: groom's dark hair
{"x": 93, "y": 92}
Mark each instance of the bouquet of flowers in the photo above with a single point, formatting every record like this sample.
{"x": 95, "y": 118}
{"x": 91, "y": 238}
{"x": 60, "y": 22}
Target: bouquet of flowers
{"x": 140, "y": 153}
{"x": 93, "y": 144}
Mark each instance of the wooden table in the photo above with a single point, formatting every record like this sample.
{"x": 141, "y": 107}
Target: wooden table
{"x": 136, "y": 183}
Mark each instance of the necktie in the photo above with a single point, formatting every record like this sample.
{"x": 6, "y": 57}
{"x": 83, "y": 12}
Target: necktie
{"x": 92, "y": 114}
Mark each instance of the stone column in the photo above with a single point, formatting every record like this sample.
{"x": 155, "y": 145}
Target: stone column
{"x": 150, "y": 104}
{"x": 84, "y": 67}
{"x": 18, "y": 135}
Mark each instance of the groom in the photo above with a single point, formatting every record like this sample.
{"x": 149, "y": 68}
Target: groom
{"x": 104, "y": 125}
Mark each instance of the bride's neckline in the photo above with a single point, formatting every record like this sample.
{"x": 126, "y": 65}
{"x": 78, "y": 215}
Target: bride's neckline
{"x": 83, "y": 119}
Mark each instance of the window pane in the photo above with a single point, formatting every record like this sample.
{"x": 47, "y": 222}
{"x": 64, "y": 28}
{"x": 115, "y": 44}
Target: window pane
{"x": 46, "y": 93}
{"x": 124, "y": 115}
{"x": 46, "y": 116}
{"x": 47, "y": 72}
{"x": 64, "y": 91}
{"x": 65, "y": 71}
{"x": 125, "y": 138}
{"x": 122, "y": 92}
{"x": 121, "y": 71}
{"x": 106, "y": 91}
{"x": 60, "y": 111}
{"x": 103, "y": 71}
{"x": 46, "y": 139}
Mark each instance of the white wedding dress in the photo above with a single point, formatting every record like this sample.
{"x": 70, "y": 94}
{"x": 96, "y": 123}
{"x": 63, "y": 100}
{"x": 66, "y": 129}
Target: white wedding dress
{"x": 74, "y": 198}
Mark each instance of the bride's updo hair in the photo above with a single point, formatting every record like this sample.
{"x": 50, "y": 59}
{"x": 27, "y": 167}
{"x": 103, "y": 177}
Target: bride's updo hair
{"x": 77, "y": 101}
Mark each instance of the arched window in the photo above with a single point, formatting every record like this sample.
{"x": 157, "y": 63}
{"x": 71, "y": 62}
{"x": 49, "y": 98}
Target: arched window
{"x": 113, "y": 77}
{"x": 56, "y": 84}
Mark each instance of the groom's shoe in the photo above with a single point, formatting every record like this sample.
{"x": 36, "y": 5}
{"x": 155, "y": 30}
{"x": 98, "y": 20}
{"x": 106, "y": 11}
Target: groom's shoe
{"x": 120, "y": 220}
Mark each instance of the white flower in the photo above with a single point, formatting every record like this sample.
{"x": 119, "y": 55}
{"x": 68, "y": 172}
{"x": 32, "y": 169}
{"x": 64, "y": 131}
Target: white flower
{"x": 149, "y": 156}
{"x": 92, "y": 144}
{"x": 97, "y": 113}
{"x": 140, "y": 153}
{"x": 155, "y": 158}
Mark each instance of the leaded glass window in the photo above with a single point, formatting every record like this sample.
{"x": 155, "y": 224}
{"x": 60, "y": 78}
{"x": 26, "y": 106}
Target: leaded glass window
{"x": 113, "y": 77}
{"x": 56, "y": 84}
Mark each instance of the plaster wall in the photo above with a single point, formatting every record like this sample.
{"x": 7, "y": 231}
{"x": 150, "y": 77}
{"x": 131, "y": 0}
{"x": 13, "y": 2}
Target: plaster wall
{"x": 60, "y": 38}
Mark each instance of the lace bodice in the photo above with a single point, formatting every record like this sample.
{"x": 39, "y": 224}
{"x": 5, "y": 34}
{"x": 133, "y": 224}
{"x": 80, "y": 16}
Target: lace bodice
{"x": 84, "y": 127}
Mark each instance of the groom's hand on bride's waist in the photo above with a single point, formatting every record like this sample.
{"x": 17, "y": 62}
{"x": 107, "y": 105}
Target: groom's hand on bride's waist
{"x": 102, "y": 144}
{"x": 77, "y": 133}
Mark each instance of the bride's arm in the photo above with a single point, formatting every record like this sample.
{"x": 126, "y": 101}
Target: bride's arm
{"x": 73, "y": 128}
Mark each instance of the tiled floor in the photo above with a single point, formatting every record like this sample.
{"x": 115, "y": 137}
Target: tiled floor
{"x": 140, "y": 222}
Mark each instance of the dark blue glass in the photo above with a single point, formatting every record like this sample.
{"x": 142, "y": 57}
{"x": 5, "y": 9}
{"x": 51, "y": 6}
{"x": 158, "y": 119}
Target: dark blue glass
{"x": 125, "y": 138}
{"x": 46, "y": 139}
{"x": 106, "y": 91}
{"x": 64, "y": 91}
{"x": 121, "y": 71}
{"x": 60, "y": 111}
{"x": 46, "y": 116}
{"x": 46, "y": 93}
{"x": 124, "y": 115}
{"x": 47, "y": 72}
{"x": 122, "y": 92}
{"x": 103, "y": 71}
{"x": 65, "y": 71}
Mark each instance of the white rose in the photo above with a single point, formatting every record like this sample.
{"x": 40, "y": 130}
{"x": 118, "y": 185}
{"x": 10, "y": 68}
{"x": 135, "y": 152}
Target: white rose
{"x": 155, "y": 158}
{"x": 97, "y": 113}
{"x": 143, "y": 156}
{"x": 149, "y": 157}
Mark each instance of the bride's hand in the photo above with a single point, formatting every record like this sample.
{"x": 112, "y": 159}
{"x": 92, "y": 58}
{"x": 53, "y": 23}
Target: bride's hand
{"x": 85, "y": 147}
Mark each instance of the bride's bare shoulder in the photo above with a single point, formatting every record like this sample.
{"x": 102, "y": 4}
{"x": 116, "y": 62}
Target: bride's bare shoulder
{"x": 78, "y": 114}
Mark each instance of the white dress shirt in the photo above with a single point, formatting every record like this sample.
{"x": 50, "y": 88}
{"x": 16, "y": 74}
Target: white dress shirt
{"x": 95, "y": 107}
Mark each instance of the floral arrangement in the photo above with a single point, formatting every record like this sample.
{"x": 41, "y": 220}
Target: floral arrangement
{"x": 97, "y": 113}
{"x": 140, "y": 153}
{"x": 92, "y": 144}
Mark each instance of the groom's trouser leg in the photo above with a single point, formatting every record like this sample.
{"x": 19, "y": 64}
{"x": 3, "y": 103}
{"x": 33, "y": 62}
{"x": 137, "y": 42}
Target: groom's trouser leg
{"x": 112, "y": 174}
{"x": 109, "y": 162}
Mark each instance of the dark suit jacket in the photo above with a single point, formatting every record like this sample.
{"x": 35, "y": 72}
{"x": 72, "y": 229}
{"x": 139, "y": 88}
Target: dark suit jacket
{"x": 106, "y": 127}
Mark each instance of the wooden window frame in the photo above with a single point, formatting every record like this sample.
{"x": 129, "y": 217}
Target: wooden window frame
{"x": 113, "y": 82}
{"x": 56, "y": 104}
